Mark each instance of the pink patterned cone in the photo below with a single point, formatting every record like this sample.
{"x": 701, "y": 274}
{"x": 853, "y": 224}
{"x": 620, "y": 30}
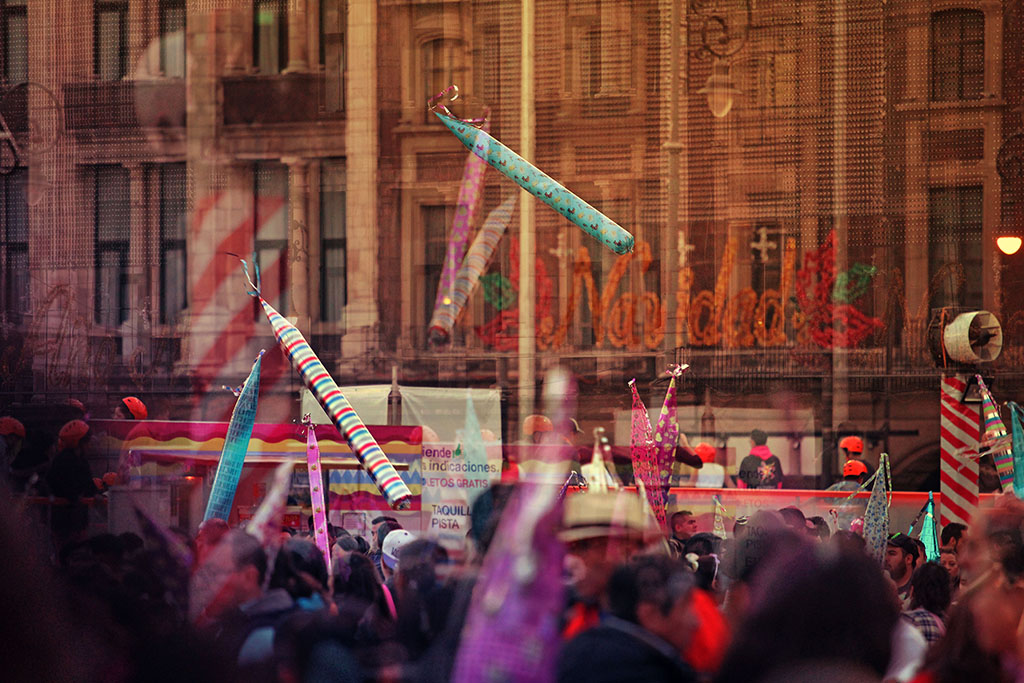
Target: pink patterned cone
{"x": 642, "y": 452}
{"x": 316, "y": 493}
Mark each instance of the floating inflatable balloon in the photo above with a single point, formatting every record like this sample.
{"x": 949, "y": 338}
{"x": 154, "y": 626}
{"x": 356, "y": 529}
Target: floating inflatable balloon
{"x": 531, "y": 178}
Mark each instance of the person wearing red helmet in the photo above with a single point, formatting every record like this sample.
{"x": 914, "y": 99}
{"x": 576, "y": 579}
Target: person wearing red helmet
{"x": 130, "y": 408}
{"x": 854, "y": 474}
{"x": 12, "y": 436}
{"x": 852, "y": 448}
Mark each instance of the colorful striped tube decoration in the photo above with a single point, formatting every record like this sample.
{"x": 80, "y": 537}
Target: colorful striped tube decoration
{"x": 236, "y": 443}
{"x": 531, "y": 178}
{"x": 334, "y": 403}
{"x": 995, "y": 429}
{"x": 477, "y": 260}
{"x": 316, "y": 492}
{"x": 465, "y": 207}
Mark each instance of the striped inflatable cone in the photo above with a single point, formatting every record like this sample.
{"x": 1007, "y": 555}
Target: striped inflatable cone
{"x": 334, "y": 403}
{"x": 995, "y": 429}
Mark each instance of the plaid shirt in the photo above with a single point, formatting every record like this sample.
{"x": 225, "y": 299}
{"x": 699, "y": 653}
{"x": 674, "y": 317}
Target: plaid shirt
{"x": 929, "y": 624}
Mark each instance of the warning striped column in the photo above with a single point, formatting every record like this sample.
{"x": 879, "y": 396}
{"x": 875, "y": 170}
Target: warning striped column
{"x": 959, "y": 427}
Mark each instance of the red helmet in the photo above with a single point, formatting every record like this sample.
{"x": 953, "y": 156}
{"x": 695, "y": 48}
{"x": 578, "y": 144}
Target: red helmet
{"x": 852, "y": 443}
{"x": 9, "y": 425}
{"x": 705, "y": 451}
{"x": 135, "y": 407}
{"x": 536, "y": 423}
{"x": 854, "y": 468}
{"x": 72, "y": 434}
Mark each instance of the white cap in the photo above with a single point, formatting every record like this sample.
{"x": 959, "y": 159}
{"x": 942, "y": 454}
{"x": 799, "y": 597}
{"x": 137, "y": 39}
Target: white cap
{"x": 393, "y": 543}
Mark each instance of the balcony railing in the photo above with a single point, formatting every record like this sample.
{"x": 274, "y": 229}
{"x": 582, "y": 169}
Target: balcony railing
{"x": 278, "y": 99}
{"x": 119, "y": 105}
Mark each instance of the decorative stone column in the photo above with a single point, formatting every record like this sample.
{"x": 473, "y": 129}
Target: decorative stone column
{"x": 297, "y": 48}
{"x": 298, "y": 242}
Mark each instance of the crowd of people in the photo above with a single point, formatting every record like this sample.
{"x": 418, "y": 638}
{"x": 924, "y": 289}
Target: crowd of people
{"x": 779, "y": 597}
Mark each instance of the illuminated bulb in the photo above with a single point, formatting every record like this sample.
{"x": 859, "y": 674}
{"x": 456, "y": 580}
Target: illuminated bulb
{"x": 1008, "y": 244}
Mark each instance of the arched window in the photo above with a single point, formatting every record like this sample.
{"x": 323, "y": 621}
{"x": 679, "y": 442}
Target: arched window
{"x": 444, "y": 63}
{"x": 958, "y": 54}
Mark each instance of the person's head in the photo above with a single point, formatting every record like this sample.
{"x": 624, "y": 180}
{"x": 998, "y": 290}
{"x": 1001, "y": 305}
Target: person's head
{"x": 813, "y": 603}
{"x": 73, "y": 435}
{"x": 684, "y": 524}
{"x": 706, "y": 452}
{"x": 357, "y": 584}
{"x": 947, "y": 558}
{"x": 391, "y": 550}
{"x": 851, "y": 446}
{"x": 12, "y": 431}
{"x": 794, "y": 519}
{"x": 382, "y": 531}
{"x": 601, "y": 531}
{"x": 484, "y": 515}
{"x": 702, "y": 544}
{"x": 535, "y": 426}
{"x": 130, "y": 408}
{"x": 855, "y": 470}
{"x": 299, "y": 568}
{"x": 929, "y": 588}
{"x": 900, "y": 558}
{"x": 997, "y": 597}
{"x": 654, "y": 592}
{"x": 231, "y": 574}
{"x": 210, "y": 533}
{"x": 820, "y": 530}
{"x": 951, "y": 535}
{"x": 758, "y": 437}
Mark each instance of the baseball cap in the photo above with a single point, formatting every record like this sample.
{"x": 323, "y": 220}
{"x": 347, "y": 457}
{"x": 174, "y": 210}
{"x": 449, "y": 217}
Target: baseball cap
{"x": 10, "y": 425}
{"x": 854, "y": 468}
{"x": 393, "y": 544}
{"x": 852, "y": 444}
{"x": 903, "y": 542}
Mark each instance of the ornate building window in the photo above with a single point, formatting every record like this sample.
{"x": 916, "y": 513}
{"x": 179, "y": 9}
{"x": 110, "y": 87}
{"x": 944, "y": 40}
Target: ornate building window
{"x": 955, "y": 246}
{"x": 173, "y": 256}
{"x": 444, "y": 63}
{"x": 270, "y": 36}
{"x": 110, "y": 40}
{"x": 14, "y": 29}
{"x": 332, "y": 52}
{"x": 270, "y": 217}
{"x": 14, "y": 298}
{"x": 333, "y": 284}
{"x": 958, "y": 54}
{"x": 112, "y": 226}
{"x": 172, "y": 38}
